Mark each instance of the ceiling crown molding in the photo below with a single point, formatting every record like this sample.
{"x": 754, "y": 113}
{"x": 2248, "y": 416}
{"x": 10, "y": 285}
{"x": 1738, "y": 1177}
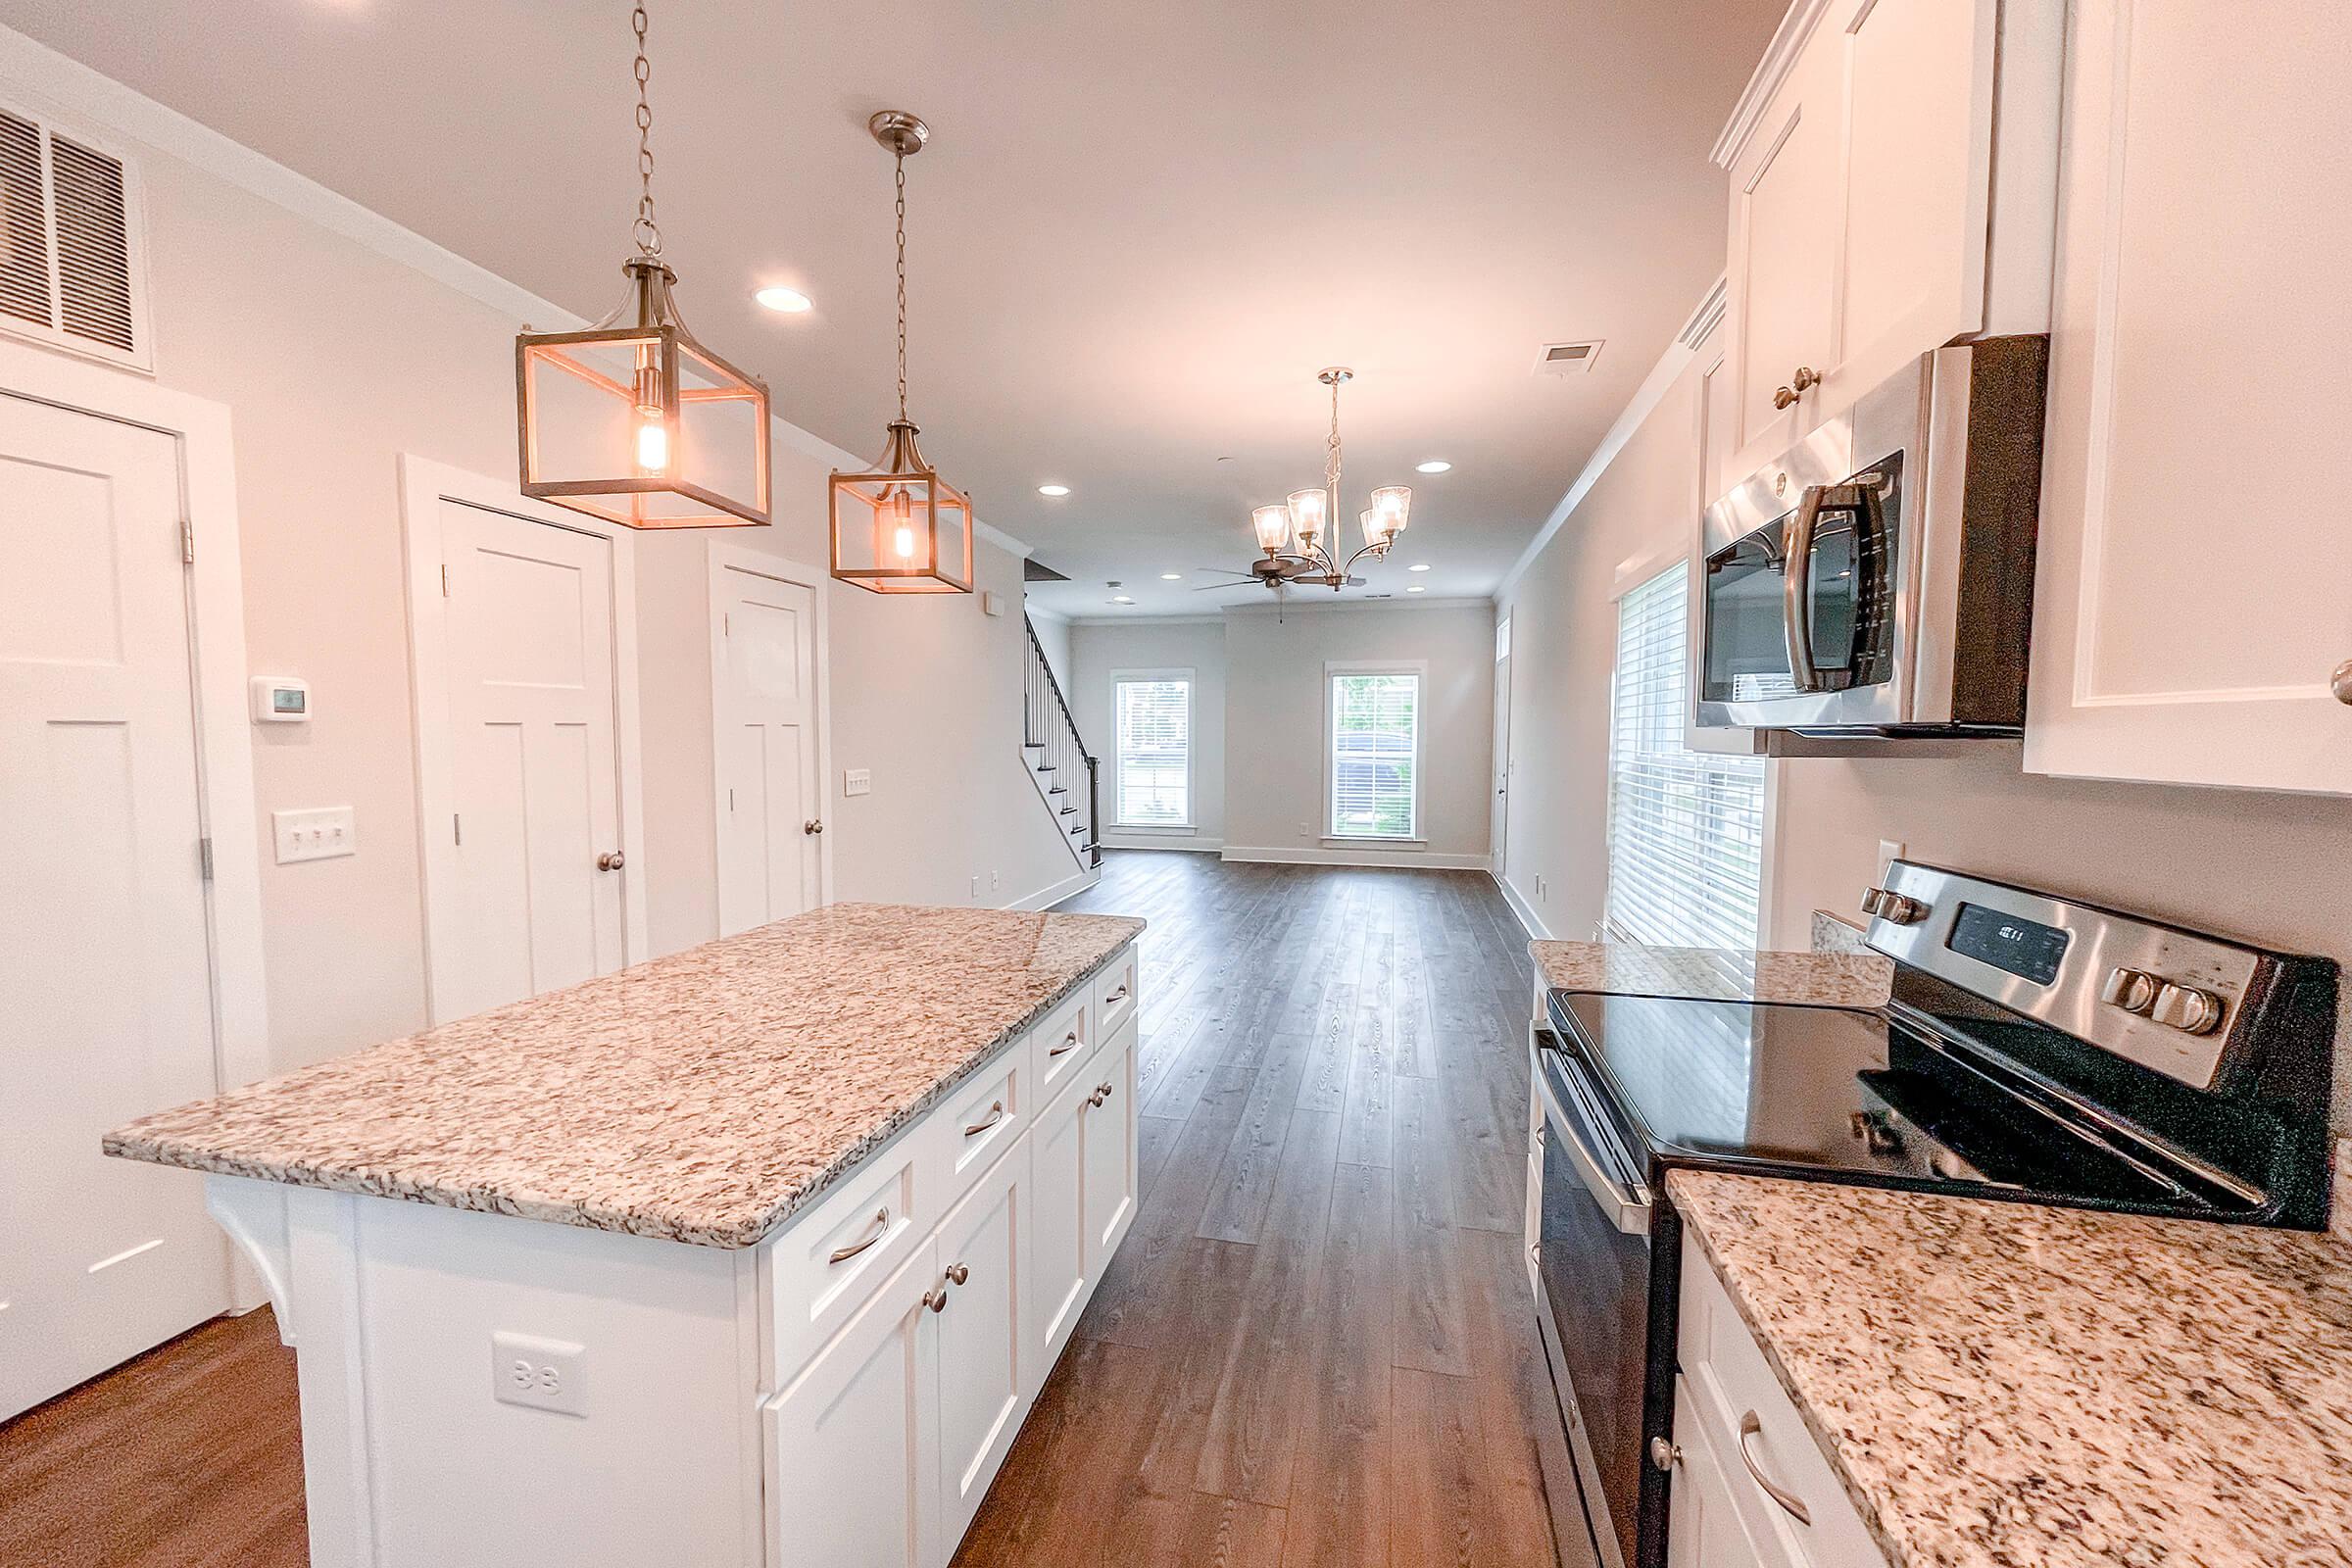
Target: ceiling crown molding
{"x": 58, "y": 83}
{"x": 1789, "y": 43}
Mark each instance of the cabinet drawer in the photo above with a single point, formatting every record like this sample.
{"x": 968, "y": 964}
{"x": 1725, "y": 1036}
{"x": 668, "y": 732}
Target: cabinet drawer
{"x": 829, "y": 1260}
{"x": 1063, "y": 1045}
{"x": 1731, "y": 1386}
{"x": 980, "y": 1119}
{"x": 1115, "y": 994}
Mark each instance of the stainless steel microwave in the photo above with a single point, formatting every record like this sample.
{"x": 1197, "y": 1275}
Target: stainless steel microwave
{"x": 1877, "y": 578}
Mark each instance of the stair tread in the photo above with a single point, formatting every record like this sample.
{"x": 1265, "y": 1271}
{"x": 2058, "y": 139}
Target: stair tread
{"x": 1069, "y": 810}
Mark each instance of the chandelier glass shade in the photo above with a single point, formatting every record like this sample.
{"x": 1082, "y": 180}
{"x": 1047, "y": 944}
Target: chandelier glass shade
{"x": 633, "y": 421}
{"x": 1293, "y": 539}
{"x": 899, "y": 527}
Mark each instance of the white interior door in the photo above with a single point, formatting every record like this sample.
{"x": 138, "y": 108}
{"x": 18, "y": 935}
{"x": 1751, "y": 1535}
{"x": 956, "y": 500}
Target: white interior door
{"x": 1499, "y": 802}
{"x": 535, "y": 898}
{"x": 105, "y": 963}
{"x": 765, "y": 717}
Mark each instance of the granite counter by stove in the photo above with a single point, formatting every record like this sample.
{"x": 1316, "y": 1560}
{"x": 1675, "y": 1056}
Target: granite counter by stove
{"x": 703, "y": 1097}
{"x": 2000, "y": 1384}
{"x": 1728, "y": 974}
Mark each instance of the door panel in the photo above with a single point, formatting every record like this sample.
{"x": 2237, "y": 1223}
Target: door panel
{"x": 984, "y": 1351}
{"x": 535, "y": 761}
{"x": 1783, "y": 223}
{"x": 106, "y": 965}
{"x": 1057, "y": 1250}
{"x": 1110, "y": 1151}
{"x": 852, "y": 1445}
{"x": 765, "y": 706}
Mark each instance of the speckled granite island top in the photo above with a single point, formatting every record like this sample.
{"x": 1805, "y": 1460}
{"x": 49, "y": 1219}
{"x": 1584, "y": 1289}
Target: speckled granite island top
{"x": 2002, "y": 1385}
{"x": 1727, "y": 974}
{"x": 702, "y": 1097}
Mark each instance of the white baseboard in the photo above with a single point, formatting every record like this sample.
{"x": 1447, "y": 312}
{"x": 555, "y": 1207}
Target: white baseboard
{"x": 1047, "y": 897}
{"x": 1161, "y": 841}
{"x": 1526, "y": 912}
{"x": 1399, "y": 860}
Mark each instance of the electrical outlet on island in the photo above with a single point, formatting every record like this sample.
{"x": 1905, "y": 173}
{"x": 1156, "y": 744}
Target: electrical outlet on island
{"x": 975, "y": 884}
{"x": 540, "y": 1373}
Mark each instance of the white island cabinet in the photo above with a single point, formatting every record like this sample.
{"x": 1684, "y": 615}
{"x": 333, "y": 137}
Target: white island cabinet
{"x": 835, "y": 1389}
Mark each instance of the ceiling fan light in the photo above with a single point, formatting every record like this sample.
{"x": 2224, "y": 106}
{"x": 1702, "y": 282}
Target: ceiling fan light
{"x": 1273, "y": 525}
{"x": 1308, "y": 512}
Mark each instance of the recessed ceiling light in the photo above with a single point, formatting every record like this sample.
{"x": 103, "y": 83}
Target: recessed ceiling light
{"x": 1122, "y": 600}
{"x": 1052, "y": 489}
{"x": 1417, "y": 589}
{"x": 1434, "y": 466}
{"x": 1171, "y": 576}
{"x": 1418, "y": 566}
{"x": 776, "y": 297}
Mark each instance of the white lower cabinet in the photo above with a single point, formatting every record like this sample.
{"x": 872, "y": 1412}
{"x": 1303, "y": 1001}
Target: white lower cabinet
{"x": 1705, "y": 1530}
{"x": 1110, "y": 1134}
{"x": 851, "y": 1446}
{"x": 984, "y": 1361}
{"x": 1060, "y": 1277}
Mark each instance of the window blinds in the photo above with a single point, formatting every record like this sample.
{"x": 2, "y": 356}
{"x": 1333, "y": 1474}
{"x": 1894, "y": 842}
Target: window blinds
{"x": 1375, "y": 740}
{"x": 1154, "y": 743}
{"x": 1686, "y": 828}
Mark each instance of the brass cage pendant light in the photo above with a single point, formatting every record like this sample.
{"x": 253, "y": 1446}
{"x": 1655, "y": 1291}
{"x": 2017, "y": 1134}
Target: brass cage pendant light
{"x": 899, "y": 529}
{"x": 632, "y": 420}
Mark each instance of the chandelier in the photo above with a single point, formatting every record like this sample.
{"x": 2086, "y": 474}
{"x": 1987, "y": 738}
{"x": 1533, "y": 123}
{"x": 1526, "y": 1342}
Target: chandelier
{"x": 1297, "y": 536}
{"x": 899, "y": 528}
{"x": 632, "y": 420}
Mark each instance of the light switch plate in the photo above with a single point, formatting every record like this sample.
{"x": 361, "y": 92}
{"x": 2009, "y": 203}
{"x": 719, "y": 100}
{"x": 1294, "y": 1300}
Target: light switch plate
{"x": 320, "y": 833}
{"x": 857, "y": 781}
{"x": 542, "y": 1374}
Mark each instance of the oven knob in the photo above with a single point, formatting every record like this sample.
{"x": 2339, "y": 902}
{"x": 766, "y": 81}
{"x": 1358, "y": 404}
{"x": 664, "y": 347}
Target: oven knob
{"x": 1894, "y": 908}
{"x": 2133, "y": 989}
{"x": 2188, "y": 1008}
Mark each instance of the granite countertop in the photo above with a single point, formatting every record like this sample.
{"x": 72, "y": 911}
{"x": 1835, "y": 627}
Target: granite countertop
{"x": 1728, "y": 974}
{"x": 2004, "y": 1384}
{"x": 702, "y": 1097}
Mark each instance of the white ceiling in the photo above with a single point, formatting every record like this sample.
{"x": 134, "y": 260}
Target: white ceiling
{"x": 1139, "y": 231}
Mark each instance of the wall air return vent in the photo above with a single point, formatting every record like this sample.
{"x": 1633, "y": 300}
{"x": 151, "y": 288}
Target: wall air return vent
{"x": 1567, "y": 358}
{"x": 70, "y": 272}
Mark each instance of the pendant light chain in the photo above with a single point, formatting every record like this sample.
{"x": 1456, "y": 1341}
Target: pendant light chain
{"x": 647, "y": 231}
{"x": 901, "y": 179}
{"x": 1331, "y": 469}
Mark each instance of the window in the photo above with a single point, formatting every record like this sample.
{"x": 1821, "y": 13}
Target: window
{"x": 1686, "y": 828}
{"x": 1375, "y": 753}
{"x": 1151, "y": 757}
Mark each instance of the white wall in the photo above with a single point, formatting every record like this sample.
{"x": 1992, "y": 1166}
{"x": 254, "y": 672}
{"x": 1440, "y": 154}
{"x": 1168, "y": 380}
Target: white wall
{"x": 335, "y": 359}
{"x": 1259, "y": 770}
{"x": 1099, "y": 647}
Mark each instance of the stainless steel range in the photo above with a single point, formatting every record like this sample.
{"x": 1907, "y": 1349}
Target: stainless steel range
{"x": 2034, "y": 1048}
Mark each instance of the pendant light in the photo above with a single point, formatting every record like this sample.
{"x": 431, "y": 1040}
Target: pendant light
{"x": 899, "y": 528}
{"x": 632, "y": 420}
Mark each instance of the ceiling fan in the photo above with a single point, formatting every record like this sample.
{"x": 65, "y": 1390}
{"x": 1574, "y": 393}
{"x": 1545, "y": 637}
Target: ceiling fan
{"x": 1276, "y": 580}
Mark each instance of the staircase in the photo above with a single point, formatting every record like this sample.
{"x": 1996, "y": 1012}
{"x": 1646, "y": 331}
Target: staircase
{"x": 1065, "y": 774}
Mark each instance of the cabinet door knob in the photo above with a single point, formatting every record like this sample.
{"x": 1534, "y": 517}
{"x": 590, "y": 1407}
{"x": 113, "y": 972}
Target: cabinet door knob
{"x": 958, "y": 1273}
{"x": 2340, "y": 683}
{"x": 610, "y": 862}
{"x": 1805, "y": 381}
{"x": 936, "y": 1300}
{"x": 812, "y": 827}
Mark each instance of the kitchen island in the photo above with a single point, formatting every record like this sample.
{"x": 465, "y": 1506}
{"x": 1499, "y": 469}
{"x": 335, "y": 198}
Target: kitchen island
{"x": 756, "y": 1254}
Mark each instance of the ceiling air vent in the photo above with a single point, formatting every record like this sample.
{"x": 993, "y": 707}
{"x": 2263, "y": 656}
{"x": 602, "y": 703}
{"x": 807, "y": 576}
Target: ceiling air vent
{"x": 70, "y": 274}
{"x": 1567, "y": 358}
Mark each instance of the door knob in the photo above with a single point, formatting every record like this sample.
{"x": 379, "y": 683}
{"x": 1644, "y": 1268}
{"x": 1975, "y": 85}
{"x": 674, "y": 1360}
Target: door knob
{"x": 812, "y": 827}
{"x": 612, "y": 862}
{"x": 1806, "y": 380}
{"x": 2340, "y": 683}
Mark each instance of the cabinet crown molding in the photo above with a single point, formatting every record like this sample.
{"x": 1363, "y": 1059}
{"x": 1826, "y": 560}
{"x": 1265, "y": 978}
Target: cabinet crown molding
{"x": 1788, "y": 44}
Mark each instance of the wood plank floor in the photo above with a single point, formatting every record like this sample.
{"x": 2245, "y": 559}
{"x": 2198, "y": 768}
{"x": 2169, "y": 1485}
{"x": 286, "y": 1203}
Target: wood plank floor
{"x": 1316, "y": 1347}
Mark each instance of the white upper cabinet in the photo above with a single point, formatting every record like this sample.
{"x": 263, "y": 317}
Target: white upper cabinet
{"x": 1892, "y": 167}
{"x": 2195, "y": 592}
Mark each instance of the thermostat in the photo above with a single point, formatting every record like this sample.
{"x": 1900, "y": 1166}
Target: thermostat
{"x": 280, "y": 699}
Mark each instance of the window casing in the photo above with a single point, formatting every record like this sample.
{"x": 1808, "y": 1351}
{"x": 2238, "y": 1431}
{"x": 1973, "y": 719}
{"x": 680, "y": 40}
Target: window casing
{"x": 1152, "y": 749}
{"x": 1372, "y": 752}
{"x": 1686, "y": 828}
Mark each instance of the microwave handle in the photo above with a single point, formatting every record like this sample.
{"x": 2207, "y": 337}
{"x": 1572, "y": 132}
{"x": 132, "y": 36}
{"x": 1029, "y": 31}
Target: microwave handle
{"x": 1796, "y": 559}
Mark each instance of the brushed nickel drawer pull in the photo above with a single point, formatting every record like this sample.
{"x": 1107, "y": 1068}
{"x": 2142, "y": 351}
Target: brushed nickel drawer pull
{"x": 958, "y": 1273}
{"x": 996, "y": 1115}
{"x": 1119, "y": 995}
{"x": 1068, "y": 1044}
{"x": 1749, "y": 1426}
{"x": 842, "y": 1254}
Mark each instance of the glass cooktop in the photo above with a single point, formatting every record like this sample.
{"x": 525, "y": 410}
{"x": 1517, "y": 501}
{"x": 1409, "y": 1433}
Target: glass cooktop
{"x": 1858, "y": 1095}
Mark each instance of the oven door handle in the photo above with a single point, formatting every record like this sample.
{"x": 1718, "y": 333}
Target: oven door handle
{"x": 1627, "y": 1207}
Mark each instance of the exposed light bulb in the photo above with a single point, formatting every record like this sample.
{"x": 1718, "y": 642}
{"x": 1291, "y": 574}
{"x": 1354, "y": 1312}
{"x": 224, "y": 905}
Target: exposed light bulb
{"x": 653, "y": 441}
{"x": 902, "y": 520}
